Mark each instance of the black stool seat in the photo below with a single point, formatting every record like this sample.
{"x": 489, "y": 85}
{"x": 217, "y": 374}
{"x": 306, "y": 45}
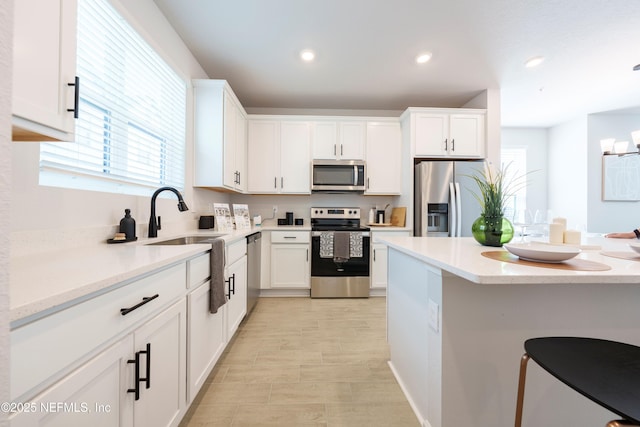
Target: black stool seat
{"x": 607, "y": 372}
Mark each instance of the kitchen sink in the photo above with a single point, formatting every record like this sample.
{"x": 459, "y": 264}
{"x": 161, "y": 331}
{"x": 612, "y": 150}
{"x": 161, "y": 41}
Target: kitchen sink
{"x": 187, "y": 240}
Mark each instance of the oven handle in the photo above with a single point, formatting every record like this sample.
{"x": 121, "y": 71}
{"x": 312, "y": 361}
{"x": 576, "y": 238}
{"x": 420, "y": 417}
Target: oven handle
{"x": 318, "y": 233}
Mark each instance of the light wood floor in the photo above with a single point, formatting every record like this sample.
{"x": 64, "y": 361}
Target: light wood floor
{"x": 305, "y": 362}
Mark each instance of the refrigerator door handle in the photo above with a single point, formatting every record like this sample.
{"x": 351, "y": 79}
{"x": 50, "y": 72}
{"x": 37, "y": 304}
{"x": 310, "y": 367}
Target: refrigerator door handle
{"x": 459, "y": 210}
{"x": 454, "y": 211}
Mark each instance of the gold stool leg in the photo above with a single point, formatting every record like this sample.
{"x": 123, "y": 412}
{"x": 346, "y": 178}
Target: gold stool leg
{"x": 621, "y": 423}
{"x": 521, "y": 380}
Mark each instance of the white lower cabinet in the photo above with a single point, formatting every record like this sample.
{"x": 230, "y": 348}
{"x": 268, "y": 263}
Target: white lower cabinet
{"x": 135, "y": 356}
{"x": 139, "y": 381}
{"x": 93, "y": 395}
{"x": 236, "y": 305}
{"x": 378, "y": 265}
{"x": 290, "y": 259}
{"x": 207, "y": 337}
{"x": 379, "y": 257}
{"x": 161, "y": 345}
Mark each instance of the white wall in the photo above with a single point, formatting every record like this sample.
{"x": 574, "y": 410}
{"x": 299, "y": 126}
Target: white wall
{"x": 6, "y": 18}
{"x": 46, "y": 216}
{"x": 568, "y": 172}
{"x": 534, "y": 140}
{"x": 608, "y": 216}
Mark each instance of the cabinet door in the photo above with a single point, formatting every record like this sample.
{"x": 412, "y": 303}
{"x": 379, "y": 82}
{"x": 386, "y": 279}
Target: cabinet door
{"x": 379, "y": 266}
{"x": 290, "y": 266}
{"x": 431, "y": 134}
{"x": 92, "y": 395}
{"x": 206, "y": 338}
{"x": 325, "y": 140}
{"x": 229, "y": 142}
{"x": 351, "y": 140}
{"x": 163, "y": 403}
{"x": 467, "y": 135}
{"x": 44, "y": 62}
{"x": 384, "y": 158}
{"x": 236, "y": 306}
{"x": 295, "y": 164}
{"x": 264, "y": 158}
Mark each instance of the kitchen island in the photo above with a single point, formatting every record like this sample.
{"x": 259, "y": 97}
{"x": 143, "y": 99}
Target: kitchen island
{"x": 457, "y": 322}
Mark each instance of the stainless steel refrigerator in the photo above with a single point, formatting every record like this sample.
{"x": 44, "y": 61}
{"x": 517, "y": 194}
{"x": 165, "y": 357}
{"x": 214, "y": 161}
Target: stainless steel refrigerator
{"x": 444, "y": 204}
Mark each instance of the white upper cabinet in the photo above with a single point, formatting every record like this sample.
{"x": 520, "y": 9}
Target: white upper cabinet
{"x": 340, "y": 139}
{"x": 44, "y": 70}
{"x": 448, "y": 133}
{"x": 220, "y": 137}
{"x": 384, "y": 161}
{"x": 279, "y": 157}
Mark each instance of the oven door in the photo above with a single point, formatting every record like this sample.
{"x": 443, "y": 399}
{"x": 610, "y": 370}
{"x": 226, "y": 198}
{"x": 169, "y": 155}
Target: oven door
{"x": 323, "y": 267}
{"x": 330, "y": 279}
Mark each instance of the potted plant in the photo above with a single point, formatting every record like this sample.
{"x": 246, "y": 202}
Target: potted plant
{"x": 495, "y": 188}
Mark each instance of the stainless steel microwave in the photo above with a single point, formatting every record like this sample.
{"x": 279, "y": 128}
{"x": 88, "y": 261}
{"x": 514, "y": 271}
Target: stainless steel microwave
{"x": 338, "y": 176}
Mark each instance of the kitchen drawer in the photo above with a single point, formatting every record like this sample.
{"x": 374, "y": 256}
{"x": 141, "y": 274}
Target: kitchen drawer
{"x": 198, "y": 270}
{"x": 46, "y": 349}
{"x": 290, "y": 237}
{"x": 235, "y": 251}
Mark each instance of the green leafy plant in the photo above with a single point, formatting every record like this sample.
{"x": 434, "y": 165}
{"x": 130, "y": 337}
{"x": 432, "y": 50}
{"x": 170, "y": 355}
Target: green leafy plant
{"x": 496, "y": 186}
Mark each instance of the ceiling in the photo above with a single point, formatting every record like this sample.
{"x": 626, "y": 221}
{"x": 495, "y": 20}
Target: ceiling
{"x": 366, "y": 49}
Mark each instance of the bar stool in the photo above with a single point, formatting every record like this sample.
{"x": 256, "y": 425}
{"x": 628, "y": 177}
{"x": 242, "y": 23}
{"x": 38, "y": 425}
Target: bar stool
{"x": 575, "y": 362}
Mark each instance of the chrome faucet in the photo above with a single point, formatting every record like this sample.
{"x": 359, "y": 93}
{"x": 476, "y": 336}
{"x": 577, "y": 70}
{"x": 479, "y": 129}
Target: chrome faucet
{"x": 153, "y": 222}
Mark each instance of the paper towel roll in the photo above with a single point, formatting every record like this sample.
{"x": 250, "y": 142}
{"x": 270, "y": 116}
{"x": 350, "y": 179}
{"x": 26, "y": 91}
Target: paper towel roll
{"x": 572, "y": 237}
{"x": 556, "y": 232}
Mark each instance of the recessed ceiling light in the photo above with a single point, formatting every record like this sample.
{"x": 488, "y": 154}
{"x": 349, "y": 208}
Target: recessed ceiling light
{"x": 423, "y": 57}
{"x": 307, "y": 55}
{"x": 534, "y": 62}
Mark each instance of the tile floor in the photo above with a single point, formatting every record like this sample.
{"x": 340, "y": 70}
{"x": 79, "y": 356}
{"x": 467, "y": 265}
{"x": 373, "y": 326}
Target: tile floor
{"x": 305, "y": 362}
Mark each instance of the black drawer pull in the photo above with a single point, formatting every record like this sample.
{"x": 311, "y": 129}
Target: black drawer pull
{"x": 125, "y": 311}
{"x": 76, "y": 98}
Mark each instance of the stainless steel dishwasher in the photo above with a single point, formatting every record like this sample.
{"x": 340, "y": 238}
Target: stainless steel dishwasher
{"x": 254, "y": 242}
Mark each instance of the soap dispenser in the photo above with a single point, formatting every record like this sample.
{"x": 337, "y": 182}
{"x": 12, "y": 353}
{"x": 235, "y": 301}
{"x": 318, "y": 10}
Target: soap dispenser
{"x": 128, "y": 225}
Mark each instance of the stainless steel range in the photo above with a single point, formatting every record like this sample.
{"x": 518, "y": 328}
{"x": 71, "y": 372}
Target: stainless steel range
{"x": 340, "y": 249}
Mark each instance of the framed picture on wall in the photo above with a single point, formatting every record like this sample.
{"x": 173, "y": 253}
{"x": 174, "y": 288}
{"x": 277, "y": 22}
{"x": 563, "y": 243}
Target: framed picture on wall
{"x": 621, "y": 178}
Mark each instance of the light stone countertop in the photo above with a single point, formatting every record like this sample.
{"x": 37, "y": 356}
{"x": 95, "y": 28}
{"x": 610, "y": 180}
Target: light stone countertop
{"x": 46, "y": 282}
{"x": 462, "y": 257}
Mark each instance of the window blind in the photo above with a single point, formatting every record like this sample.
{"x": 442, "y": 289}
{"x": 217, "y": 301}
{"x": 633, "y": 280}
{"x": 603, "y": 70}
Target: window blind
{"x": 130, "y": 133}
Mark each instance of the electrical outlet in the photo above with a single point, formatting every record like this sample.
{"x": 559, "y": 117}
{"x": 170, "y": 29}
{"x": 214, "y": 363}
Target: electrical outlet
{"x": 275, "y": 209}
{"x": 434, "y": 315}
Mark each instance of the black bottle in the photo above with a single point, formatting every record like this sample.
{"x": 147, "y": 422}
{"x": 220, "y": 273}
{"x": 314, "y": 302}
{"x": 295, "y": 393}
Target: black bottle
{"x": 128, "y": 225}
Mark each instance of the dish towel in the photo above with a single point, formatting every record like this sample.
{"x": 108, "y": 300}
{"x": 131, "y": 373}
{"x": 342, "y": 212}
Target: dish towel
{"x": 341, "y": 246}
{"x": 216, "y": 297}
{"x": 326, "y": 244}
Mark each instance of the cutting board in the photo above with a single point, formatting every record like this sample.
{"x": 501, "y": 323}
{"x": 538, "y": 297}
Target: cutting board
{"x": 398, "y": 216}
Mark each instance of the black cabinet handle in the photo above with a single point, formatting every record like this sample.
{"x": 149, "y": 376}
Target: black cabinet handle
{"x": 453, "y": 144}
{"x": 138, "y": 379}
{"x": 147, "y": 379}
{"x": 76, "y": 98}
{"x": 136, "y": 388}
{"x": 445, "y": 144}
{"x": 125, "y": 311}
{"x": 275, "y": 182}
{"x": 231, "y": 281}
